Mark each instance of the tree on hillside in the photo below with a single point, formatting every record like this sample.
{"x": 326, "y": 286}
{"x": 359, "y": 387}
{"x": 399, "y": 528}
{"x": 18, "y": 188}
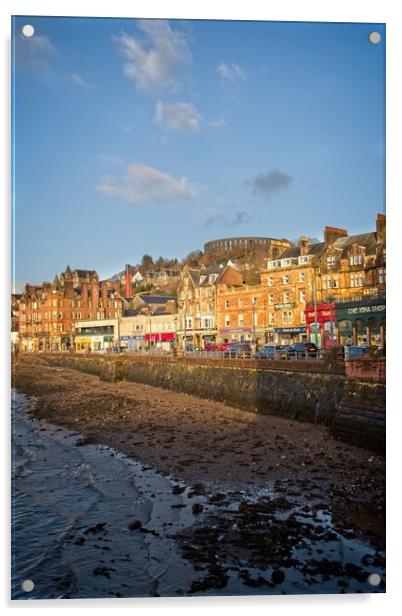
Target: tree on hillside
{"x": 147, "y": 263}
{"x": 193, "y": 258}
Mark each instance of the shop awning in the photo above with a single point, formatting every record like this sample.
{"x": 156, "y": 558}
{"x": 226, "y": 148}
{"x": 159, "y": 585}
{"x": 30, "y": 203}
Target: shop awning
{"x": 160, "y": 337}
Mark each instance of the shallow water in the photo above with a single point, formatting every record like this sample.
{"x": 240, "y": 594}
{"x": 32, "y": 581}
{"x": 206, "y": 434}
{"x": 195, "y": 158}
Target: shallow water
{"x": 72, "y": 507}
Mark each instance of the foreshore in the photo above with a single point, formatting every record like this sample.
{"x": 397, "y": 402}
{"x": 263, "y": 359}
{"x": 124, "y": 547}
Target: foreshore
{"x": 276, "y": 505}
{"x": 202, "y": 440}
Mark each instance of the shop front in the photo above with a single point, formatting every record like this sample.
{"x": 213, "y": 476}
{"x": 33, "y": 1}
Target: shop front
{"x": 285, "y": 336}
{"x": 321, "y": 325}
{"x": 133, "y": 343}
{"x": 239, "y": 334}
{"x": 160, "y": 340}
{"x": 362, "y": 322}
{"x": 98, "y": 335}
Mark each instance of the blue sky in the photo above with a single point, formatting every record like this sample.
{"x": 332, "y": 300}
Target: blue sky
{"x": 138, "y": 136}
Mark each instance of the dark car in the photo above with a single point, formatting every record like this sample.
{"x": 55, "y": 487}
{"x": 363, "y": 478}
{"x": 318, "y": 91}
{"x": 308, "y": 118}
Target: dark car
{"x": 190, "y": 347}
{"x": 301, "y": 350}
{"x": 270, "y": 351}
{"x": 238, "y": 349}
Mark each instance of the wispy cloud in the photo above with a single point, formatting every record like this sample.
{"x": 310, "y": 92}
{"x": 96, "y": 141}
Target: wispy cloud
{"x": 230, "y": 72}
{"x": 217, "y": 123}
{"x": 152, "y": 64}
{"x": 34, "y": 52}
{"x": 268, "y": 183}
{"x": 178, "y": 117}
{"x": 111, "y": 159}
{"x": 234, "y": 220}
{"x": 82, "y": 82}
{"x": 142, "y": 184}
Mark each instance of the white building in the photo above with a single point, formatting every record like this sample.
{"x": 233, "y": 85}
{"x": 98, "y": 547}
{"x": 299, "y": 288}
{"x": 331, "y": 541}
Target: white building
{"x": 99, "y": 335}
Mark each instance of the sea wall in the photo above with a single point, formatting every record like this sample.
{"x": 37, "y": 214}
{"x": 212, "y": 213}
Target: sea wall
{"x": 354, "y": 409}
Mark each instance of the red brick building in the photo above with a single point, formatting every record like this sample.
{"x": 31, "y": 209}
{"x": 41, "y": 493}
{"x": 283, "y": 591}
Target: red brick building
{"x": 48, "y": 312}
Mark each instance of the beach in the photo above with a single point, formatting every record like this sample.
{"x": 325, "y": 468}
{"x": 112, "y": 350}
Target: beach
{"x": 241, "y": 474}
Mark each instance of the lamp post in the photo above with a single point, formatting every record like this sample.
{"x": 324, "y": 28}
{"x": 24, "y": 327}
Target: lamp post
{"x": 184, "y": 325}
{"x": 150, "y": 327}
{"x": 315, "y": 307}
{"x": 253, "y": 317}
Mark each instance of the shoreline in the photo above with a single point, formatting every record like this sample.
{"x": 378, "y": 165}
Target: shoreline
{"x": 198, "y": 440}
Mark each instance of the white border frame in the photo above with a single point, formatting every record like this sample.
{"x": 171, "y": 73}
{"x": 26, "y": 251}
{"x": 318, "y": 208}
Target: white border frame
{"x": 288, "y": 10}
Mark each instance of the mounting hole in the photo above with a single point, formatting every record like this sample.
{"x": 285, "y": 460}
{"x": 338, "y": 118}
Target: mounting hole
{"x": 28, "y": 585}
{"x": 374, "y": 579}
{"x": 374, "y": 37}
{"x": 28, "y": 30}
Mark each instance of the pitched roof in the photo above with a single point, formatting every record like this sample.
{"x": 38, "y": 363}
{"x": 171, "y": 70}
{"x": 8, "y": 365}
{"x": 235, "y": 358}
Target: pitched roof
{"x": 82, "y": 273}
{"x": 156, "y": 299}
{"x": 368, "y": 240}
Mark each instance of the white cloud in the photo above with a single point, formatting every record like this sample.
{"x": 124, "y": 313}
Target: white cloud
{"x": 34, "y": 52}
{"x": 153, "y": 64}
{"x": 80, "y": 81}
{"x": 178, "y": 117}
{"x": 230, "y": 72}
{"x": 142, "y": 184}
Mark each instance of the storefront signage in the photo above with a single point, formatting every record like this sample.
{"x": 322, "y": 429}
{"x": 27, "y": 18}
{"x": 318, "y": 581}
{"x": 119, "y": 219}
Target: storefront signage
{"x": 365, "y": 309}
{"x": 235, "y": 331}
{"x": 131, "y": 337}
{"x": 290, "y": 330}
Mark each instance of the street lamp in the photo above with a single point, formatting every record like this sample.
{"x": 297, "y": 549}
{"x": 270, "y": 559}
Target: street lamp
{"x": 184, "y": 325}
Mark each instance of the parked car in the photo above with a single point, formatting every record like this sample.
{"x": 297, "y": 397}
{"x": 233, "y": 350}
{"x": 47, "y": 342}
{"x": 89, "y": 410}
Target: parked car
{"x": 210, "y": 346}
{"x": 356, "y": 351}
{"x": 190, "y": 347}
{"x": 238, "y": 349}
{"x": 270, "y": 351}
{"x": 213, "y": 346}
{"x": 301, "y": 350}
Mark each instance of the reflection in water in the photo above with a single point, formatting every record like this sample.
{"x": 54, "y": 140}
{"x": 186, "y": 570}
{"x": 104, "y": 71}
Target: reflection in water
{"x": 89, "y": 522}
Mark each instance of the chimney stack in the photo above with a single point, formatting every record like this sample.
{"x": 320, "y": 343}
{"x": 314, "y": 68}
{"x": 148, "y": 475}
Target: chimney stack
{"x": 331, "y": 234}
{"x": 84, "y": 293}
{"x": 68, "y": 289}
{"x": 104, "y": 289}
{"x": 128, "y": 288}
{"x": 304, "y": 245}
{"x": 380, "y": 227}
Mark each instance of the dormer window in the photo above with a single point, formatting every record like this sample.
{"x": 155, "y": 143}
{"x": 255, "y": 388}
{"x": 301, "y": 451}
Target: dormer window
{"x": 356, "y": 259}
{"x": 331, "y": 261}
{"x": 303, "y": 259}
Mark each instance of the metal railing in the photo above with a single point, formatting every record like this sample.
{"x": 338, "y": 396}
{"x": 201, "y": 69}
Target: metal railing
{"x": 276, "y": 354}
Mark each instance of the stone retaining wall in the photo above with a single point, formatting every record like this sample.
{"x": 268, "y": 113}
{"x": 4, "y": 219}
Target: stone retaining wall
{"x": 366, "y": 369}
{"x": 354, "y": 409}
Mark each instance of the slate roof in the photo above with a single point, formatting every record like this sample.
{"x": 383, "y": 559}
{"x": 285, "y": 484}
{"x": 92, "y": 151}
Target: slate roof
{"x": 82, "y": 273}
{"x": 368, "y": 240}
{"x": 293, "y": 252}
{"x": 156, "y": 299}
